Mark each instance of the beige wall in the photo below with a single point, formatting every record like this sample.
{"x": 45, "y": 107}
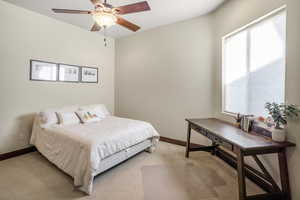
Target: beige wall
{"x": 237, "y": 13}
{"x": 165, "y": 75}
{"x": 26, "y": 35}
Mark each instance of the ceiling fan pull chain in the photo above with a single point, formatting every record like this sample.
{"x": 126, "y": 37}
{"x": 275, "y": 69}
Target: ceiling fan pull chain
{"x": 105, "y": 40}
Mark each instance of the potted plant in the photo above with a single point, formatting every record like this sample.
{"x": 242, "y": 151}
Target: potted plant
{"x": 280, "y": 113}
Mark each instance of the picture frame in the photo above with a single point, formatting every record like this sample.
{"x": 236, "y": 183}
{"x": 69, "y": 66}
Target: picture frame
{"x": 68, "y": 73}
{"x": 43, "y": 71}
{"x": 89, "y": 75}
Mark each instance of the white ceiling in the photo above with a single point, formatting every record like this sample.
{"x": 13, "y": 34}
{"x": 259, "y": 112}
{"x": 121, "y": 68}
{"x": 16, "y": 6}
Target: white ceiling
{"x": 162, "y": 12}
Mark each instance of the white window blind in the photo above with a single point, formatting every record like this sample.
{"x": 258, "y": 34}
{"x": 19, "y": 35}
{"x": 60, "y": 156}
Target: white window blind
{"x": 254, "y": 66}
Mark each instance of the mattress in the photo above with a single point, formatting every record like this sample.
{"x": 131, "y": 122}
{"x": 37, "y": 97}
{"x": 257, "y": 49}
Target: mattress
{"x": 81, "y": 149}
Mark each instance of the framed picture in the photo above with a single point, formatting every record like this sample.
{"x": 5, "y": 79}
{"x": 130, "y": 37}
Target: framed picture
{"x": 68, "y": 73}
{"x": 89, "y": 75}
{"x": 43, "y": 71}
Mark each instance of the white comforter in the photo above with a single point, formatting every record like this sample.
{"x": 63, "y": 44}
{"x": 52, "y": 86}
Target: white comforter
{"x": 78, "y": 149}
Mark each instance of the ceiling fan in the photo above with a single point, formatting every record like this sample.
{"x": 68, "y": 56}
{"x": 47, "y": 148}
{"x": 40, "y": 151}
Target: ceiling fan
{"x": 105, "y": 15}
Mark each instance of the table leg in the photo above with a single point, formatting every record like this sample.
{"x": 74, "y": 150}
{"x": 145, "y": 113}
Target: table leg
{"x": 241, "y": 175}
{"x": 284, "y": 174}
{"x": 188, "y": 141}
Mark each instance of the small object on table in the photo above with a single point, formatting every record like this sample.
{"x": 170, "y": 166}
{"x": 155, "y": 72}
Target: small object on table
{"x": 238, "y": 120}
{"x": 263, "y": 126}
{"x": 246, "y": 123}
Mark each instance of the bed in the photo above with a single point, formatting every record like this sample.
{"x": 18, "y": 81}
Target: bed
{"x": 86, "y": 150}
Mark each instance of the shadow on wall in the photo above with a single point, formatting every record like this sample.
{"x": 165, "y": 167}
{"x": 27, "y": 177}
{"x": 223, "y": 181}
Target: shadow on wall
{"x": 22, "y": 129}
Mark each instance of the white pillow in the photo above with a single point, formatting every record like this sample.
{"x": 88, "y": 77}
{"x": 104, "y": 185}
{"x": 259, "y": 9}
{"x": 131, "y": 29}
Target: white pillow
{"x": 87, "y": 116}
{"x": 48, "y": 118}
{"x": 100, "y": 110}
{"x": 71, "y": 108}
{"x": 67, "y": 118}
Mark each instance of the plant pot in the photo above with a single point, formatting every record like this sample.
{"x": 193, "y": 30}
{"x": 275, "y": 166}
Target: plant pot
{"x": 278, "y": 135}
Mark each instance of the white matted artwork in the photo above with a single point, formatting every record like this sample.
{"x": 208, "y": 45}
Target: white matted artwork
{"x": 43, "y": 71}
{"x": 89, "y": 75}
{"x": 69, "y": 73}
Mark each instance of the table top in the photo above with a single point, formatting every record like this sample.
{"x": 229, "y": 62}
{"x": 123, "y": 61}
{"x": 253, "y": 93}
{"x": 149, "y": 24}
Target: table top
{"x": 236, "y": 136}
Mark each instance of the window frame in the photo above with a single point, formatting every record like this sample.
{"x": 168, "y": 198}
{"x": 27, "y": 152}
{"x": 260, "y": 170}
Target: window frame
{"x": 252, "y": 24}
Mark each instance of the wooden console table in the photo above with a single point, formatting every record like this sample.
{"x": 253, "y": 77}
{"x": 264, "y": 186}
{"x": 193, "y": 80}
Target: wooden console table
{"x": 243, "y": 144}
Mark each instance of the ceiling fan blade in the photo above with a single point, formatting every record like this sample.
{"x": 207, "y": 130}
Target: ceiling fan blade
{"x": 96, "y": 27}
{"x": 132, "y": 8}
{"x": 96, "y": 2}
{"x": 71, "y": 11}
{"x": 127, "y": 24}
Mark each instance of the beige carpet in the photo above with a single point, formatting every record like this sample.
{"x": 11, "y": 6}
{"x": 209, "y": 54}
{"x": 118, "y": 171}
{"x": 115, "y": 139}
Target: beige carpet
{"x": 163, "y": 175}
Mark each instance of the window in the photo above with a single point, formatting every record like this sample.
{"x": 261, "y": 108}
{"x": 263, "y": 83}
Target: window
{"x": 254, "y": 65}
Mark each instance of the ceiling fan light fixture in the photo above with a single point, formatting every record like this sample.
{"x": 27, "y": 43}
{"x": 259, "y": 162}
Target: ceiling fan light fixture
{"x": 105, "y": 19}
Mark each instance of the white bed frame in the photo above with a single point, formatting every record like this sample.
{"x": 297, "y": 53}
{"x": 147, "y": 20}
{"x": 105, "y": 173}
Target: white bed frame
{"x": 121, "y": 156}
